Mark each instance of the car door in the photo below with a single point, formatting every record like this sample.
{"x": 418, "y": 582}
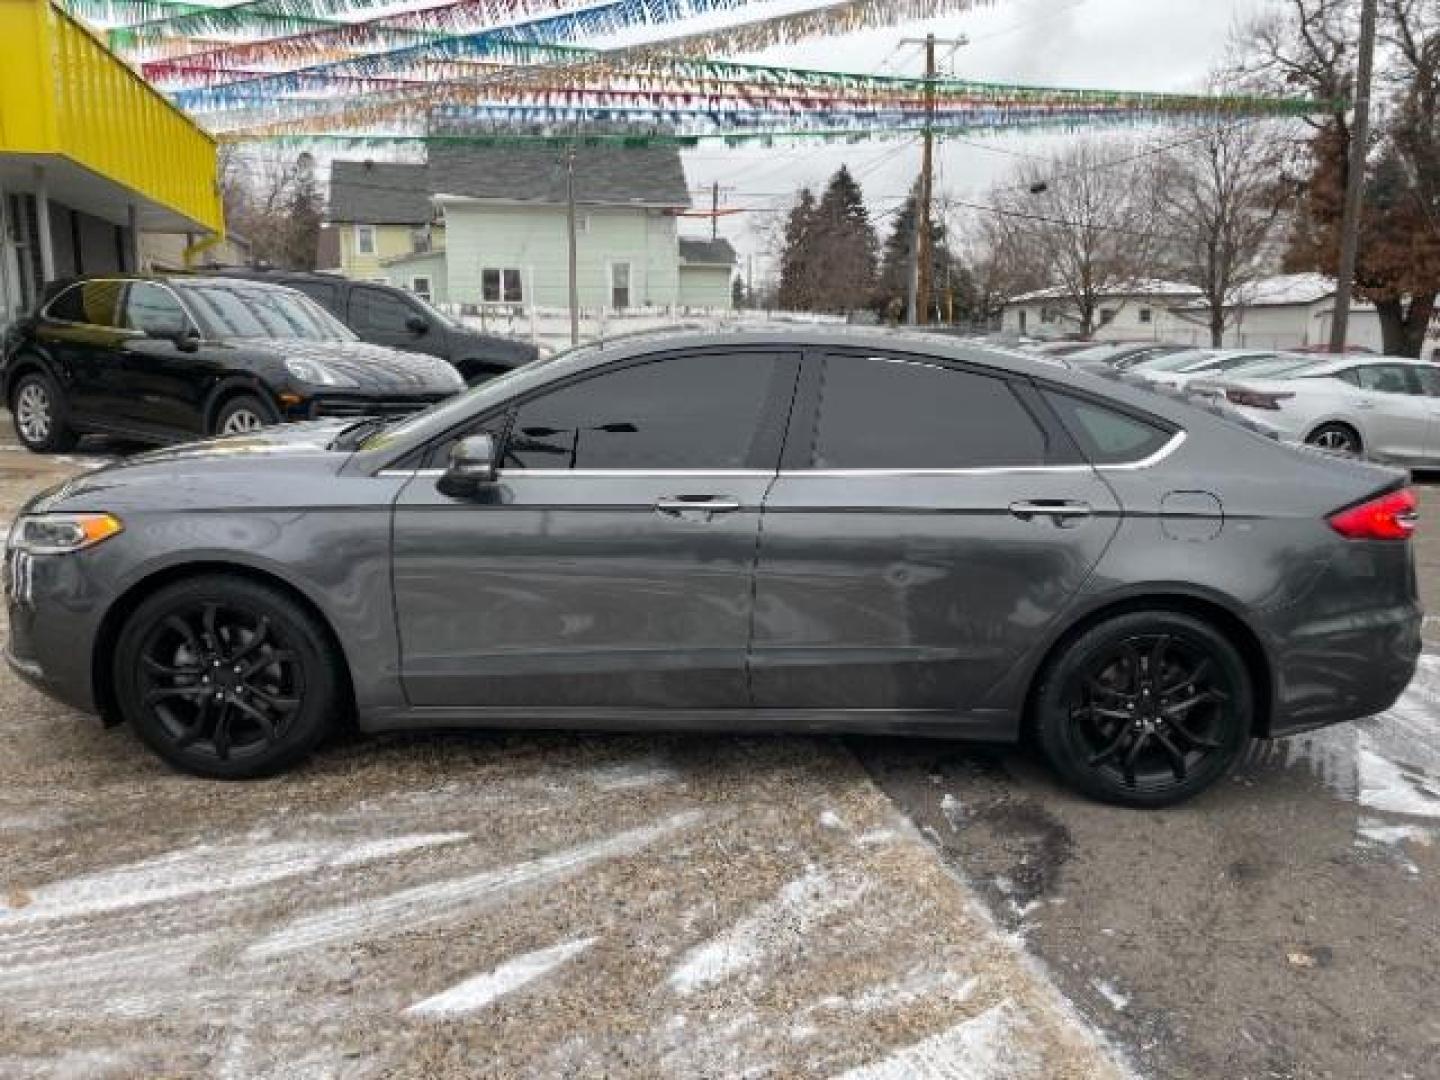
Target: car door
{"x": 388, "y": 317}
{"x": 80, "y": 329}
{"x": 1394, "y": 411}
{"x": 166, "y": 386}
{"x": 612, "y": 564}
{"x": 930, "y": 523}
{"x": 1429, "y": 376}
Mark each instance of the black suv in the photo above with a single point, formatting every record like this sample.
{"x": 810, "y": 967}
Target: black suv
{"x": 164, "y": 359}
{"x": 386, "y": 315}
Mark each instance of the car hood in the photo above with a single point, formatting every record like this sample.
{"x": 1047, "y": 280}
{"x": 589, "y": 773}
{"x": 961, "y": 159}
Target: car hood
{"x": 376, "y": 367}
{"x": 494, "y": 349}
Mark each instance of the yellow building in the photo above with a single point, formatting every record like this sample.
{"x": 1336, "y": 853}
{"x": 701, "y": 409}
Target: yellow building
{"x": 90, "y": 157}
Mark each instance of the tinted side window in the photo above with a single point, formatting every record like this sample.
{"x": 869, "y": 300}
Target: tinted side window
{"x": 1386, "y": 379}
{"x": 90, "y": 302}
{"x": 318, "y": 291}
{"x": 685, "y": 412}
{"x": 150, "y": 308}
{"x": 877, "y": 413}
{"x": 1349, "y": 375}
{"x": 1108, "y": 437}
{"x": 374, "y": 309}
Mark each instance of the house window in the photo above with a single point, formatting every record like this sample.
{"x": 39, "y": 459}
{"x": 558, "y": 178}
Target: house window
{"x": 365, "y": 239}
{"x": 1147, "y": 315}
{"x": 501, "y": 285}
{"x": 1107, "y": 316}
{"x": 620, "y": 286}
{"x": 420, "y": 241}
{"x": 1047, "y": 315}
{"x": 420, "y": 286}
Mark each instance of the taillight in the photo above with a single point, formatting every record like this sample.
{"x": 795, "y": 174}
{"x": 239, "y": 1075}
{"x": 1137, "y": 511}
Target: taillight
{"x": 1387, "y": 517}
{"x": 1256, "y": 399}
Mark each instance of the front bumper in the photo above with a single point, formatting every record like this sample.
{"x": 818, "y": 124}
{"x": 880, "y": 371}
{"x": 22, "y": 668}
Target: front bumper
{"x": 54, "y": 614}
{"x": 342, "y": 405}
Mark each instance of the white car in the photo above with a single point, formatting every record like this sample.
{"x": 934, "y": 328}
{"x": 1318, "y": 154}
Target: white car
{"x": 1373, "y": 406}
{"x": 1178, "y": 370}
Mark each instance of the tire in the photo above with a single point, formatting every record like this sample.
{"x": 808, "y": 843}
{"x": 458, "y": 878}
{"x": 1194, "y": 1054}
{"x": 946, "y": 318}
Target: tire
{"x": 196, "y": 704}
{"x": 1338, "y": 439}
{"x": 41, "y": 419}
{"x": 242, "y": 414}
{"x": 1191, "y": 725}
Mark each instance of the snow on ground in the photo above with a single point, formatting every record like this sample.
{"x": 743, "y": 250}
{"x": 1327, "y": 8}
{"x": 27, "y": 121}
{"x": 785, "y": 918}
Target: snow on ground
{"x": 474, "y": 994}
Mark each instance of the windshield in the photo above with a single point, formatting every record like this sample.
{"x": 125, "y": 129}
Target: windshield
{"x": 238, "y": 310}
{"x": 1176, "y": 361}
{"x": 435, "y": 313}
{"x": 1227, "y": 363}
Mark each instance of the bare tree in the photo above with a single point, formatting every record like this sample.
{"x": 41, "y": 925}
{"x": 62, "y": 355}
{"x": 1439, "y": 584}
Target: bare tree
{"x": 1084, "y": 222}
{"x": 274, "y": 202}
{"x": 1219, "y": 198}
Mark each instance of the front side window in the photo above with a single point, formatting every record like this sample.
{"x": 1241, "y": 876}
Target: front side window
{"x": 365, "y": 239}
{"x": 154, "y": 310}
{"x": 501, "y": 285}
{"x": 94, "y": 303}
{"x": 700, "y": 412}
{"x": 880, "y": 413}
{"x": 1107, "y": 436}
{"x": 1387, "y": 379}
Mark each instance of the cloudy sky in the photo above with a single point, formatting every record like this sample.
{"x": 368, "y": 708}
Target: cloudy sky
{"x": 1109, "y": 44}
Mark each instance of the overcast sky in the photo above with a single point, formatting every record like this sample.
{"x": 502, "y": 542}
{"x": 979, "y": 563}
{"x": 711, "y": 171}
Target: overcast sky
{"x": 1107, "y": 44}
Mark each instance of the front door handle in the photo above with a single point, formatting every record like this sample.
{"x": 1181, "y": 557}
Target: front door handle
{"x": 1059, "y": 511}
{"x": 696, "y": 507}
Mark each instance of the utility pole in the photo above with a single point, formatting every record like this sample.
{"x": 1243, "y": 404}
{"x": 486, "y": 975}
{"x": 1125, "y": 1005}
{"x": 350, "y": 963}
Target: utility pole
{"x": 922, "y": 274}
{"x": 574, "y": 240}
{"x": 1355, "y": 182}
{"x": 715, "y": 211}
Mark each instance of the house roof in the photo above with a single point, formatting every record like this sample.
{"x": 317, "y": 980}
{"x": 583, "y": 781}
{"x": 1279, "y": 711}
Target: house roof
{"x": 1145, "y": 289}
{"x": 707, "y": 252}
{"x": 1284, "y": 291}
{"x": 384, "y": 193}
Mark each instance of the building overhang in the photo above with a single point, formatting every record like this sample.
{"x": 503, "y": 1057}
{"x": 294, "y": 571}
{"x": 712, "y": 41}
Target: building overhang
{"x": 74, "y": 185}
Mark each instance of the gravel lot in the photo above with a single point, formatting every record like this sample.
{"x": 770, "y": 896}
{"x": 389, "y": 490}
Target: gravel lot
{"x": 549, "y": 905}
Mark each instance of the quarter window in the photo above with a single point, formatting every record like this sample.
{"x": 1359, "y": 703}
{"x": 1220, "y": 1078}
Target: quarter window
{"x": 686, "y": 412}
{"x": 879, "y": 413}
{"x": 94, "y": 303}
{"x": 1106, "y": 436}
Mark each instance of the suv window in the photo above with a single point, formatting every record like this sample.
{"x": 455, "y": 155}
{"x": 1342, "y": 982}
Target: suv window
{"x": 91, "y": 302}
{"x": 153, "y": 309}
{"x": 881, "y": 413}
{"x": 376, "y": 309}
{"x": 683, "y": 412}
{"x": 1107, "y": 436}
{"x": 1388, "y": 379}
{"x": 321, "y": 292}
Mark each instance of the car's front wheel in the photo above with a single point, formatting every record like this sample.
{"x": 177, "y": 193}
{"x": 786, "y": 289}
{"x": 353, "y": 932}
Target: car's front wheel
{"x": 39, "y": 414}
{"x": 226, "y": 677}
{"x": 242, "y": 414}
{"x": 1145, "y": 709}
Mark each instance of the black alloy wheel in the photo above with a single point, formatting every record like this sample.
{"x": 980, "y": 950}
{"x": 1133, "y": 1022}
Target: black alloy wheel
{"x": 226, "y": 677}
{"x": 1338, "y": 439}
{"x": 1146, "y": 709}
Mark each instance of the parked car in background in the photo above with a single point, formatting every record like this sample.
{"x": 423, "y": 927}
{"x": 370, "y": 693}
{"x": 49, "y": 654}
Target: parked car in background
{"x": 1121, "y": 357}
{"x": 385, "y": 315}
{"x": 1059, "y": 349}
{"x": 164, "y": 359}
{"x": 1177, "y": 370}
{"x": 1380, "y": 407}
{"x": 685, "y": 532}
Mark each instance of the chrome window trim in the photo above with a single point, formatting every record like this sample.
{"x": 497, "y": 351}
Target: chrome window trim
{"x": 998, "y": 470}
{"x": 748, "y": 474}
{"x": 185, "y": 307}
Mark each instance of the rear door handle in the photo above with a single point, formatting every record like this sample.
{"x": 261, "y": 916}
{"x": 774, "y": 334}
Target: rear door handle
{"x": 697, "y": 507}
{"x": 1059, "y": 511}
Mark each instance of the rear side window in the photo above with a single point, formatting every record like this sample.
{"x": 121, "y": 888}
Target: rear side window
{"x": 319, "y": 291}
{"x": 94, "y": 303}
{"x": 1107, "y": 436}
{"x": 882, "y": 413}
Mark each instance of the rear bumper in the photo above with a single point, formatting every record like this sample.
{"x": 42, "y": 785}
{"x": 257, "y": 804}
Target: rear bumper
{"x": 1345, "y": 668}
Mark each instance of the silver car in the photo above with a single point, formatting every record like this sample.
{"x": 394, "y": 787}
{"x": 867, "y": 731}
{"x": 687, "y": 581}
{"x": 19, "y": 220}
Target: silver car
{"x": 1382, "y": 407}
{"x": 1178, "y": 370}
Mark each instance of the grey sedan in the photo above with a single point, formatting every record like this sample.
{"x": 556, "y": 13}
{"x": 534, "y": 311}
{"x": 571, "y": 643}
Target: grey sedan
{"x": 822, "y": 531}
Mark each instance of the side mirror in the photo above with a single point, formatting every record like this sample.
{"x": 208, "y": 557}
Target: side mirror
{"x": 417, "y": 324}
{"x": 186, "y": 339}
{"x": 471, "y": 468}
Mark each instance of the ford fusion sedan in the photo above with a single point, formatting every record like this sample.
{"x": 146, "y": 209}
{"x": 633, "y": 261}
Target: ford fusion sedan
{"x": 168, "y": 359}
{"x": 822, "y": 531}
{"x": 1379, "y": 407}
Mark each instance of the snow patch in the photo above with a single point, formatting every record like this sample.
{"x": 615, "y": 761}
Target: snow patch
{"x": 633, "y": 775}
{"x": 474, "y": 994}
{"x": 202, "y": 870}
{"x": 983, "y": 1048}
{"x": 831, "y": 820}
{"x": 792, "y": 914}
{"x": 425, "y": 904}
{"x": 1387, "y": 787}
{"x": 954, "y": 812}
{"x": 1117, "y": 1000}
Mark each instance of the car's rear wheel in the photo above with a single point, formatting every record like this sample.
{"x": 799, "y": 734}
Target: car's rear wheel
{"x": 38, "y": 410}
{"x": 243, "y": 413}
{"x": 226, "y": 677}
{"x": 1338, "y": 439}
{"x": 1146, "y": 709}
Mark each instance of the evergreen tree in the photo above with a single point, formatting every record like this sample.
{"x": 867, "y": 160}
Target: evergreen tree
{"x": 845, "y": 245}
{"x": 953, "y": 293}
{"x": 304, "y": 210}
{"x": 797, "y": 262}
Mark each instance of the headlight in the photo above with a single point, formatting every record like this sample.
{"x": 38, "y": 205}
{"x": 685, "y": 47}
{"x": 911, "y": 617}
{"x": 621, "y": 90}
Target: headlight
{"x": 315, "y": 373}
{"x": 61, "y": 534}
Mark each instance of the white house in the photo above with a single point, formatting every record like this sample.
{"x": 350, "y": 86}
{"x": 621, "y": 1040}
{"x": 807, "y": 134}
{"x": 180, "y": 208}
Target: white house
{"x": 490, "y": 229}
{"x": 1289, "y": 311}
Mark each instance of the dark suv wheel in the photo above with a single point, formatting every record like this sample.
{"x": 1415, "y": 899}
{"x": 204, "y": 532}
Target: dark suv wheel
{"x": 226, "y": 677}
{"x": 38, "y": 410}
{"x": 1146, "y": 709}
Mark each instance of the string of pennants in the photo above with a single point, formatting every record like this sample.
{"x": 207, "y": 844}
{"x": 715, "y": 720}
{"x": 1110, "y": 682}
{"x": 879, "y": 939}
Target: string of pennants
{"x": 361, "y": 73}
